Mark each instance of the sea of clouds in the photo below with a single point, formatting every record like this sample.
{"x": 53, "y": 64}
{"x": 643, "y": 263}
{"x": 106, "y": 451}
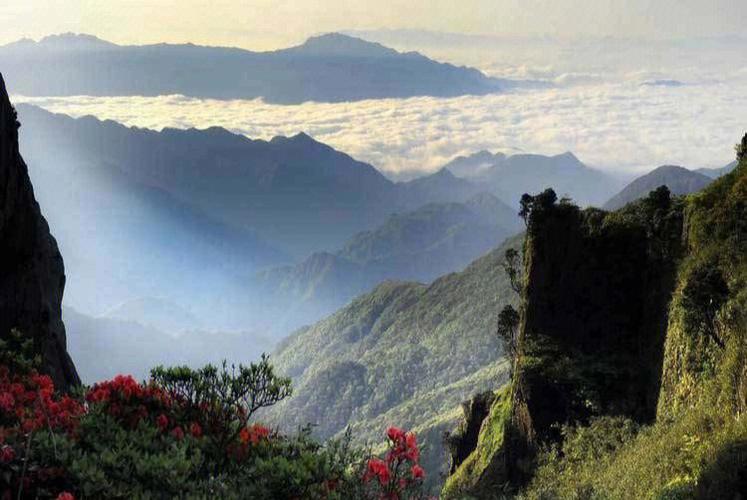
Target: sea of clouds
{"x": 626, "y": 124}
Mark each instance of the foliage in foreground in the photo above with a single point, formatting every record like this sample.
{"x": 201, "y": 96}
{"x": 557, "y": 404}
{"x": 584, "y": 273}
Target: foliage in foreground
{"x": 185, "y": 433}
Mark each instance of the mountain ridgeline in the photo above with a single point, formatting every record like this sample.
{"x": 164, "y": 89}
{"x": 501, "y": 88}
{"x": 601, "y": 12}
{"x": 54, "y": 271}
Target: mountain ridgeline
{"x": 509, "y": 176}
{"x": 678, "y": 180}
{"x": 630, "y": 374}
{"x": 287, "y": 225}
{"x": 326, "y": 68}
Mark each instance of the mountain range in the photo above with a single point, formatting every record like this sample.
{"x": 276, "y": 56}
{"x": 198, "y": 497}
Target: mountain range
{"x": 715, "y": 173}
{"x": 229, "y": 228}
{"x": 327, "y": 68}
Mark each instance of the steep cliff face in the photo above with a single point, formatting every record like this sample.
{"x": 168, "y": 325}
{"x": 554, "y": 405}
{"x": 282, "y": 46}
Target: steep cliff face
{"x": 32, "y": 276}
{"x": 631, "y": 379}
{"x": 596, "y": 310}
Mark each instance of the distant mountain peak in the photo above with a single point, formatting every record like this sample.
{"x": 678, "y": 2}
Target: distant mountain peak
{"x": 678, "y": 179}
{"x": 74, "y": 40}
{"x": 337, "y": 44}
{"x": 300, "y": 139}
{"x": 443, "y": 173}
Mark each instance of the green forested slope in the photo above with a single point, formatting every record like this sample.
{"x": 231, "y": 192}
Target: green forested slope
{"x": 405, "y": 354}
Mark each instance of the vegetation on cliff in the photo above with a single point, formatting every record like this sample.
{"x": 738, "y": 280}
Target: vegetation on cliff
{"x": 632, "y": 364}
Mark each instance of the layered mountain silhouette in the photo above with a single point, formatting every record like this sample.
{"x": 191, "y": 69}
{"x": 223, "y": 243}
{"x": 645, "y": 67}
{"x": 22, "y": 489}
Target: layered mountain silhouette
{"x": 328, "y": 68}
{"x": 508, "y": 177}
{"x": 133, "y": 348}
{"x": 296, "y": 192}
{"x": 191, "y": 216}
{"x": 420, "y": 245}
{"x": 715, "y": 173}
{"x": 123, "y": 238}
{"x": 679, "y": 180}
{"x": 235, "y": 230}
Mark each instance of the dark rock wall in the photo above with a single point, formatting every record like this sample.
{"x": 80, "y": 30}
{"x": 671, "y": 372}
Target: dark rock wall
{"x": 464, "y": 440}
{"x": 32, "y": 277}
{"x": 595, "y": 318}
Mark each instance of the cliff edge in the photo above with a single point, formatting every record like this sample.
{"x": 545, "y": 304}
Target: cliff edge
{"x": 32, "y": 276}
{"x": 631, "y": 376}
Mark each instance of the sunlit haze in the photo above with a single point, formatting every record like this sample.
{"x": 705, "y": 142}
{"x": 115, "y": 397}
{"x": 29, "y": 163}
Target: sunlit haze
{"x": 268, "y": 24}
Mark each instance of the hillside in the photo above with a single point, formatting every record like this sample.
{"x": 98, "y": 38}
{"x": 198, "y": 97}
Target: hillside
{"x": 263, "y": 186}
{"x": 679, "y": 181}
{"x": 508, "y": 177}
{"x": 421, "y": 245}
{"x": 326, "y": 68}
{"x": 404, "y": 353}
{"x": 631, "y": 369}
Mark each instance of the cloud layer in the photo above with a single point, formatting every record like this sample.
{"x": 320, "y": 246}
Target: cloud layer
{"x": 615, "y": 126}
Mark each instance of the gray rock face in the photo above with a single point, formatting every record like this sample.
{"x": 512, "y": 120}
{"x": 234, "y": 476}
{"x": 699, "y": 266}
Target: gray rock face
{"x": 32, "y": 275}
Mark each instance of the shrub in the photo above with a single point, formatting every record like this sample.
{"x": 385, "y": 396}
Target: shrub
{"x": 398, "y": 475}
{"x": 184, "y": 433}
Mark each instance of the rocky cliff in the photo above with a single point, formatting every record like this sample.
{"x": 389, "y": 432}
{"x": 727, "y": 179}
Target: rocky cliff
{"x": 32, "y": 276}
{"x": 632, "y": 366}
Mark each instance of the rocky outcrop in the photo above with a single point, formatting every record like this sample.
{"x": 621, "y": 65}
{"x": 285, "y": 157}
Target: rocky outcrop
{"x": 32, "y": 277}
{"x": 595, "y": 318}
{"x": 594, "y": 321}
{"x": 464, "y": 441}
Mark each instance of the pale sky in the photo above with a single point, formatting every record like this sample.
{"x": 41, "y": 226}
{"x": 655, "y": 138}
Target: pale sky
{"x": 268, "y": 24}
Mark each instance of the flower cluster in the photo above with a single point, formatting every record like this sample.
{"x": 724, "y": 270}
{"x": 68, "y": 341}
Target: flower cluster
{"x": 398, "y": 475}
{"x": 128, "y": 401}
{"x": 253, "y": 434}
{"x": 50, "y": 445}
{"x": 28, "y": 405}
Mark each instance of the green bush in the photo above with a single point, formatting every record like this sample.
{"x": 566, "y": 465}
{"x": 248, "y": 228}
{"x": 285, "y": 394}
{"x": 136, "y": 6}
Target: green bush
{"x": 183, "y": 434}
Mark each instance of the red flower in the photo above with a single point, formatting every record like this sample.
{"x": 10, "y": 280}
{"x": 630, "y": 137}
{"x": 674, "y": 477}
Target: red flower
{"x": 417, "y": 472}
{"x": 244, "y": 435}
{"x": 395, "y": 434}
{"x": 195, "y": 430}
{"x": 162, "y": 421}
{"x": 7, "y": 454}
{"x": 7, "y": 402}
{"x": 253, "y": 434}
{"x": 65, "y": 496}
{"x": 261, "y": 431}
{"x": 178, "y": 433}
{"x": 377, "y": 468}
{"x": 411, "y": 445}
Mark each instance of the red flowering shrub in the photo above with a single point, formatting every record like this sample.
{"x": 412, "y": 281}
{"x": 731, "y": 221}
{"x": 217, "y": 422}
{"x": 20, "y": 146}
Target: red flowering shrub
{"x": 28, "y": 408}
{"x": 183, "y": 433}
{"x": 397, "y": 476}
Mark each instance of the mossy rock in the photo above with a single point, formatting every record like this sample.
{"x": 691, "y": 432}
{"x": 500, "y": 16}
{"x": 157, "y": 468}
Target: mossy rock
{"x": 483, "y": 473}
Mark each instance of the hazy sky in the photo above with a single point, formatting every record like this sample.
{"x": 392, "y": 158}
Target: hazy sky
{"x": 265, "y": 24}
